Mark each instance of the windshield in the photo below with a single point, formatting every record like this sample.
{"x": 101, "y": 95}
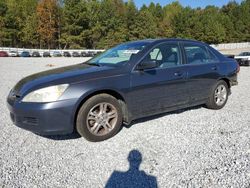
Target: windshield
{"x": 119, "y": 54}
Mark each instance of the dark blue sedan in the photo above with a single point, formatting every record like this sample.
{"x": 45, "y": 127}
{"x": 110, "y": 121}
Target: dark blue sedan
{"x": 127, "y": 82}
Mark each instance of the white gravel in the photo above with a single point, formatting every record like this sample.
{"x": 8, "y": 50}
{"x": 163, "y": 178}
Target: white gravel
{"x": 189, "y": 148}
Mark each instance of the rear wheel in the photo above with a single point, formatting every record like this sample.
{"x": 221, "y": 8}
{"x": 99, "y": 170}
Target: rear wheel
{"x": 99, "y": 118}
{"x": 218, "y": 97}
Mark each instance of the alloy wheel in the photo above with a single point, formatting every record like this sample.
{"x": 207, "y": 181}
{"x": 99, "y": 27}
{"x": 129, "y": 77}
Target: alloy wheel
{"x": 102, "y": 119}
{"x": 220, "y": 95}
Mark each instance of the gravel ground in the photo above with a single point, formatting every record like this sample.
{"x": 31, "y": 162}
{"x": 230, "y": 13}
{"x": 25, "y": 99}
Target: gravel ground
{"x": 196, "y": 147}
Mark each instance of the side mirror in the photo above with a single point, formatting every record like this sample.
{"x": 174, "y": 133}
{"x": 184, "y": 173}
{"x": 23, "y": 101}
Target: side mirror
{"x": 147, "y": 65}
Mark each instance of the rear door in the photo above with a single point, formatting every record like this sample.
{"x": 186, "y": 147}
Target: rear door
{"x": 202, "y": 70}
{"x": 155, "y": 90}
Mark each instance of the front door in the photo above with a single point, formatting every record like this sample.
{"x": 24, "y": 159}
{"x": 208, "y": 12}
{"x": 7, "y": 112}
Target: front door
{"x": 155, "y": 90}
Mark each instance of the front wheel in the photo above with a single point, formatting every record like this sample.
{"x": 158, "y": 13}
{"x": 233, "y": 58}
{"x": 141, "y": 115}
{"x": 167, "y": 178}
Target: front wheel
{"x": 99, "y": 118}
{"x": 218, "y": 97}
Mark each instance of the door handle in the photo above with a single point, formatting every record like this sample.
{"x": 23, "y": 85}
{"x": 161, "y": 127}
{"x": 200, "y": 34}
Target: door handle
{"x": 178, "y": 74}
{"x": 214, "y": 68}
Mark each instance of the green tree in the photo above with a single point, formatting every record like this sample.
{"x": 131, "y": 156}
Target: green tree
{"x": 213, "y": 30}
{"x": 166, "y": 25}
{"x": 131, "y": 17}
{"x": 92, "y": 34}
{"x": 146, "y": 27}
{"x": 230, "y": 12}
{"x": 3, "y": 33}
{"x": 104, "y": 23}
{"x": 29, "y": 35}
{"x": 112, "y": 22}
{"x": 184, "y": 23}
{"x": 243, "y": 23}
{"x": 200, "y": 24}
{"x": 75, "y": 21}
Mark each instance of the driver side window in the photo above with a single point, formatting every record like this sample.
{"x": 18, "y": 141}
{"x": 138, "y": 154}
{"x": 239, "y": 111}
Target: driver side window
{"x": 156, "y": 54}
{"x": 166, "y": 55}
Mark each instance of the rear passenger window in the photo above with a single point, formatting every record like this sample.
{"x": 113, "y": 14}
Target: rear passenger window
{"x": 197, "y": 54}
{"x": 212, "y": 57}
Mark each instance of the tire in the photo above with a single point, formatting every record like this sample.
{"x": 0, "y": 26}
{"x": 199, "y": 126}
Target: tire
{"x": 99, "y": 118}
{"x": 217, "y": 101}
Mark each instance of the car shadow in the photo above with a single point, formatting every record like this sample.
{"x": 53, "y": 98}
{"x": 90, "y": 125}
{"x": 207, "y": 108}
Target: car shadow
{"x": 142, "y": 120}
{"x": 134, "y": 177}
{"x": 75, "y": 135}
{"x": 71, "y": 136}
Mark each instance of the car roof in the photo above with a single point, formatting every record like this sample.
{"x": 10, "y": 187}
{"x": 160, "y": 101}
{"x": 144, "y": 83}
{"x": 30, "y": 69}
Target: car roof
{"x": 166, "y": 39}
{"x": 159, "y": 40}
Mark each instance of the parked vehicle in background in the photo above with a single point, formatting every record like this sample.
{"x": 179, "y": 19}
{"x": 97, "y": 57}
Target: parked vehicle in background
{"x": 76, "y": 54}
{"x": 13, "y": 54}
{"x": 130, "y": 81}
{"x": 244, "y": 54}
{"x": 243, "y": 59}
{"x": 46, "y": 54}
{"x": 36, "y": 54}
{"x": 66, "y": 54}
{"x": 98, "y": 52}
{"x": 84, "y": 54}
{"x": 25, "y": 54}
{"x": 87, "y": 54}
{"x": 57, "y": 54}
{"x": 90, "y": 54}
{"x": 3, "y": 54}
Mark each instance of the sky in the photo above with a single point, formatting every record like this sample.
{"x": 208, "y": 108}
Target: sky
{"x": 192, "y": 3}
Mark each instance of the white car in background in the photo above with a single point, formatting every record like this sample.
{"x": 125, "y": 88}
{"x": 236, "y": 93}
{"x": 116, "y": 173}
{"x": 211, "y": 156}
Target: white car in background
{"x": 13, "y": 54}
{"x": 243, "y": 58}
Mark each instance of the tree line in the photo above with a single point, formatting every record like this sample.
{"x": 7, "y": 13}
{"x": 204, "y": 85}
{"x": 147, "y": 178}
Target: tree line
{"x": 104, "y": 23}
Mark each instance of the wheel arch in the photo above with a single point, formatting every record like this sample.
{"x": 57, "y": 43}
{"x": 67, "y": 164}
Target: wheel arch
{"x": 227, "y": 82}
{"x": 117, "y": 95}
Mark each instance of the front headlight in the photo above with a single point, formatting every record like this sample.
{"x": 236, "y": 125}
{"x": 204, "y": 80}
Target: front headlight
{"x": 47, "y": 94}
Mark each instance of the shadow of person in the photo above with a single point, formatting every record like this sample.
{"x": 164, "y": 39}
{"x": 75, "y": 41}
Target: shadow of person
{"x": 133, "y": 178}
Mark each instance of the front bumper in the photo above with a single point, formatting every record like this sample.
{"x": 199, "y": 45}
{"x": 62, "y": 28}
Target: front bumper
{"x": 52, "y": 118}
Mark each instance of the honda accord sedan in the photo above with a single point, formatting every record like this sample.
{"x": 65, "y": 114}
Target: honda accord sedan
{"x": 127, "y": 82}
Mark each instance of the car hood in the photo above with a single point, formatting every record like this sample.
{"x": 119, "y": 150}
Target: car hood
{"x": 69, "y": 74}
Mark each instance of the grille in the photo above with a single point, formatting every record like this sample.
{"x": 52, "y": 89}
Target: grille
{"x": 24, "y": 120}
